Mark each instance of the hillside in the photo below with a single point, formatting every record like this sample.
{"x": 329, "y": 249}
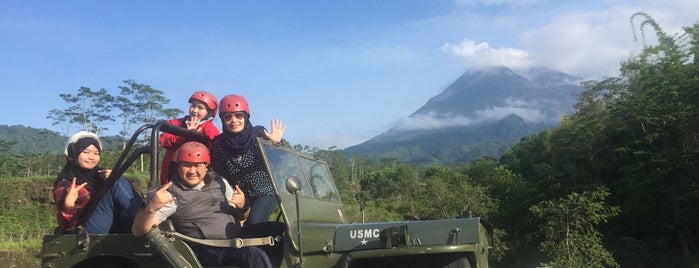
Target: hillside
{"x": 483, "y": 113}
{"x": 22, "y": 139}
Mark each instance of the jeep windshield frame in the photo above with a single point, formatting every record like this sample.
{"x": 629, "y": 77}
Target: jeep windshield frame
{"x": 318, "y": 190}
{"x": 314, "y": 173}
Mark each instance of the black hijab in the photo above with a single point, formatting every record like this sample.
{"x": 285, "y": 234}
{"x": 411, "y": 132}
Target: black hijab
{"x": 73, "y": 170}
{"x": 239, "y": 143}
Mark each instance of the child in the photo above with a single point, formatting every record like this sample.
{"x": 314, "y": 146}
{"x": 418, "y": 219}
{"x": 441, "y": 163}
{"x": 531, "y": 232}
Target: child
{"x": 202, "y": 111}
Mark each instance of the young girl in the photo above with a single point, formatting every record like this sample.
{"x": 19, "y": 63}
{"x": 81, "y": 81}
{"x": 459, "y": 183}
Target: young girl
{"x": 81, "y": 180}
{"x": 202, "y": 110}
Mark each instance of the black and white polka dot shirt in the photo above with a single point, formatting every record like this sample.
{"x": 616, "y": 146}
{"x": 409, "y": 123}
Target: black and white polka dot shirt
{"x": 247, "y": 170}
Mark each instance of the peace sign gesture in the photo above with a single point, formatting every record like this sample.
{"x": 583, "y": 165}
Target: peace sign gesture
{"x": 72, "y": 195}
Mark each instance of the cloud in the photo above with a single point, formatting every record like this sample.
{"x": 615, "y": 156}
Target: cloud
{"x": 583, "y": 39}
{"x": 528, "y": 111}
{"x": 339, "y": 141}
{"x": 481, "y": 54}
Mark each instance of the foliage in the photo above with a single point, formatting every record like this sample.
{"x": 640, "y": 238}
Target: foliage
{"x": 618, "y": 176}
{"x": 88, "y": 108}
{"x": 148, "y": 102}
{"x": 92, "y": 110}
{"x": 637, "y": 135}
{"x": 569, "y": 226}
{"x": 26, "y": 209}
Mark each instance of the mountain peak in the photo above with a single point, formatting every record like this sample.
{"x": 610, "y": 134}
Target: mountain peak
{"x": 500, "y": 88}
{"x": 493, "y": 105}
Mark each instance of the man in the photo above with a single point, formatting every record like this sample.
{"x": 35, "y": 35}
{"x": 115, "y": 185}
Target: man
{"x": 202, "y": 205}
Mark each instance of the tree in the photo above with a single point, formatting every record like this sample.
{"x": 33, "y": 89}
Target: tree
{"x": 569, "y": 227}
{"x": 147, "y": 102}
{"x": 140, "y": 103}
{"x": 638, "y": 135}
{"x": 91, "y": 109}
{"x": 9, "y": 162}
{"x": 653, "y": 124}
{"x": 127, "y": 115}
{"x": 450, "y": 193}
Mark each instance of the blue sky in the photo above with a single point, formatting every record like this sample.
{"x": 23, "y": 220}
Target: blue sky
{"x": 336, "y": 72}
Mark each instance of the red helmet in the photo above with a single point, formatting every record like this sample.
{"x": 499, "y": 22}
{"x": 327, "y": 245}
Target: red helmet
{"x": 234, "y": 103}
{"x": 208, "y": 99}
{"x": 193, "y": 152}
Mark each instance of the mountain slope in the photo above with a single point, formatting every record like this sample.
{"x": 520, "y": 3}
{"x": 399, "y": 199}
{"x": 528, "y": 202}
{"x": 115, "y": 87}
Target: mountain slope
{"x": 484, "y": 112}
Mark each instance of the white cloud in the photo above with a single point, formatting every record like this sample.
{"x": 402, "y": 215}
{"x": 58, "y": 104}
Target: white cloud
{"x": 584, "y": 39}
{"x": 586, "y": 43}
{"x": 528, "y": 111}
{"x": 481, "y": 54}
{"x": 340, "y": 141}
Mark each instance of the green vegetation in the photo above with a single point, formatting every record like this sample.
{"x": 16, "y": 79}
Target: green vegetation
{"x": 569, "y": 226}
{"x": 26, "y": 209}
{"x": 615, "y": 185}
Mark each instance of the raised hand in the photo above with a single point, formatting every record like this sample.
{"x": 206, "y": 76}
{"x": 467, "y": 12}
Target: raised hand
{"x": 237, "y": 200}
{"x": 160, "y": 198}
{"x": 193, "y": 122}
{"x": 72, "y": 195}
{"x": 277, "y": 131}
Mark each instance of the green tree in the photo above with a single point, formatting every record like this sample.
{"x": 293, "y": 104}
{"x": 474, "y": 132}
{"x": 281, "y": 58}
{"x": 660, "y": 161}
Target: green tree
{"x": 90, "y": 109}
{"x": 392, "y": 189}
{"x": 638, "y": 135}
{"x": 142, "y": 104}
{"x": 9, "y": 163}
{"x": 148, "y": 103}
{"x": 127, "y": 116}
{"x": 447, "y": 193}
{"x": 512, "y": 196}
{"x": 569, "y": 227}
{"x": 654, "y": 141}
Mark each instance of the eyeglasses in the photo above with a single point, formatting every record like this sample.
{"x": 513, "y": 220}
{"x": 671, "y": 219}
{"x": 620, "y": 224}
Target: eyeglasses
{"x": 237, "y": 115}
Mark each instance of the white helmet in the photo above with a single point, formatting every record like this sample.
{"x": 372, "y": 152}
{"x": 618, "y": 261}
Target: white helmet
{"x": 80, "y": 135}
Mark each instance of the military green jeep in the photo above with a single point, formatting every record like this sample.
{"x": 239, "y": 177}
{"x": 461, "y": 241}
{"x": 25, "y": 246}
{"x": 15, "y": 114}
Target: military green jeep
{"x": 317, "y": 233}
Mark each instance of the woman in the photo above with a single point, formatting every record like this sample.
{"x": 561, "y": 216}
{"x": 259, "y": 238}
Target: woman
{"x": 82, "y": 180}
{"x": 236, "y": 157}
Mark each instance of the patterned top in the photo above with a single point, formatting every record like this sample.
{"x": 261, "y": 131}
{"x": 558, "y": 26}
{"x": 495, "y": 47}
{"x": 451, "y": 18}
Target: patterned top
{"x": 67, "y": 218}
{"x": 247, "y": 170}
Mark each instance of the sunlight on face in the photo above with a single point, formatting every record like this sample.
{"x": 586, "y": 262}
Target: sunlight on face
{"x": 234, "y": 122}
{"x": 192, "y": 173}
{"x": 198, "y": 110}
{"x": 89, "y": 158}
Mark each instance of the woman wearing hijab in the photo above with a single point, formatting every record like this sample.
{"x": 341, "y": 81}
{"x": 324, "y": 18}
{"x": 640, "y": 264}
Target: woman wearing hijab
{"x": 236, "y": 157}
{"x": 82, "y": 180}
